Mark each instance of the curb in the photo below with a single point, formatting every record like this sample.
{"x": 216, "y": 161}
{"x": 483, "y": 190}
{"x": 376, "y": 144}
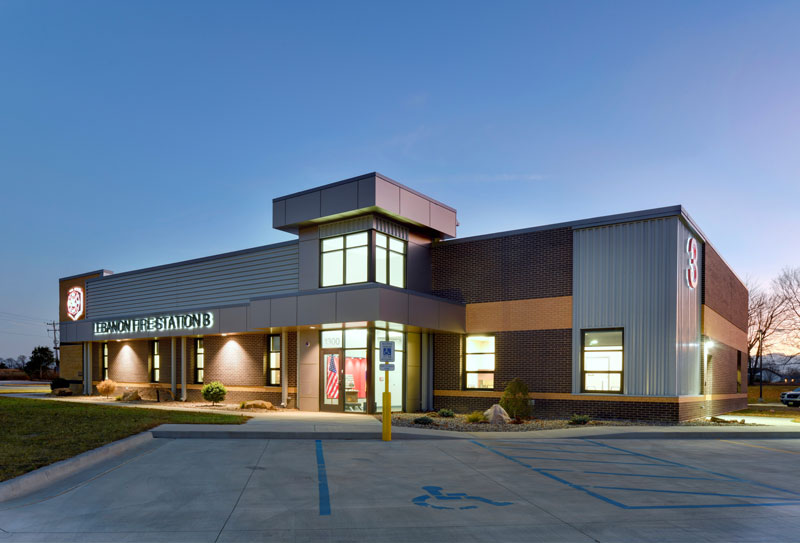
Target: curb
{"x": 267, "y": 434}
{"x": 47, "y": 475}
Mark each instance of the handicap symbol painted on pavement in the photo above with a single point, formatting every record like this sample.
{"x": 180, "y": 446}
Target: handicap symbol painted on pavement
{"x": 435, "y": 492}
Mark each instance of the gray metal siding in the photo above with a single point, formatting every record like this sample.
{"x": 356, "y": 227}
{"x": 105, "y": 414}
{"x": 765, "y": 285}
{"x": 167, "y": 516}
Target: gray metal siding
{"x": 225, "y": 280}
{"x": 688, "y": 316}
{"x": 623, "y": 277}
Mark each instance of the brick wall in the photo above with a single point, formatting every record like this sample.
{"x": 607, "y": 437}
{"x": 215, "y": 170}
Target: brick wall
{"x": 291, "y": 359}
{"x": 127, "y": 361}
{"x": 722, "y": 370}
{"x": 235, "y": 360}
{"x": 447, "y": 361}
{"x": 722, "y": 291}
{"x": 514, "y": 267}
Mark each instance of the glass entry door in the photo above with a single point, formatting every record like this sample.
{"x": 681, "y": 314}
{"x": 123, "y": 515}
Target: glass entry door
{"x": 330, "y": 382}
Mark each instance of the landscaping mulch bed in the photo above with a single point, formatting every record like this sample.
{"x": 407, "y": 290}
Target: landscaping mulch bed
{"x": 458, "y": 423}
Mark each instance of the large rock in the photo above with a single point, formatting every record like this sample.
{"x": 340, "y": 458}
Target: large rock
{"x": 62, "y": 392}
{"x": 164, "y": 395}
{"x": 130, "y": 396}
{"x": 258, "y": 404}
{"x": 497, "y": 415}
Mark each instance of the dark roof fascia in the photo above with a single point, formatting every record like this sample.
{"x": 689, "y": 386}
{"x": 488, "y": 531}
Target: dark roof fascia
{"x": 202, "y": 259}
{"x": 359, "y": 178}
{"x": 96, "y": 272}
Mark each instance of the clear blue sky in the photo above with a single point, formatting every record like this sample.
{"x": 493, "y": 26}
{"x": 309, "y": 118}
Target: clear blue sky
{"x": 140, "y": 133}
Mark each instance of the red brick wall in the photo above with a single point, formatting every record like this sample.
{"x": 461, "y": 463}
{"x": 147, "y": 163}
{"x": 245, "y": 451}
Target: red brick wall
{"x": 291, "y": 359}
{"x": 722, "y": 370}
{"x": 722, "y": 291}
{"x": 514, "y": 267}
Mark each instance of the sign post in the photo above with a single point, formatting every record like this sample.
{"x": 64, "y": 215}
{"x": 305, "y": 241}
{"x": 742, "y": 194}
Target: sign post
{"x": 387, "y": 356}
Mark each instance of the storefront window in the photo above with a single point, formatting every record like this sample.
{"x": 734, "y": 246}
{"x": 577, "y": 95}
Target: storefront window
{"x": 345, "y": 259}
{"x": 352, "y": 343}
{"x": 392, "y": 333}
{"x": 602, "y": 360}
{"x": 479, "y": 363}
{"x": 200, "y": 360}
{"x": 274, "y": 360}
{"x": 390, "y": 260}
{"x": 155, "y": 370}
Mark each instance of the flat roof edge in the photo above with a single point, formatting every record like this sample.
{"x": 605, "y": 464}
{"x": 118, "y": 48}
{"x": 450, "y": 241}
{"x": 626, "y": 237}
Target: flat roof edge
{"x": 99, "y": 272}
{"x": 202, "y": 259}
{"x": 359, "y": 178}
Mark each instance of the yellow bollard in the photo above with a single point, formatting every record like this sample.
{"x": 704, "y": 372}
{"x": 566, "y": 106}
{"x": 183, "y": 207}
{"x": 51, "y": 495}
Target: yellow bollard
{"x": 387, "y": 410}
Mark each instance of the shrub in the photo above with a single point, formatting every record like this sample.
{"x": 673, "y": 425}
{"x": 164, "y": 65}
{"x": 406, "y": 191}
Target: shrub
{"x": 423, "y": 420}
{"x": 214, "y": 392}
{"x": 446, "y": 413}
{"x": 106, "y": 387}
{"x": 476, "y": 416}
{"x": 515, "y": 399}
{"x": 59, "y": 382}
{"x": 243, "y": 404}
{"x": 579, "y": 419}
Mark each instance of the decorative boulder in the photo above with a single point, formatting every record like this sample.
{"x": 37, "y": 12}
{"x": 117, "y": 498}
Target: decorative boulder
{"x": 259, "y": 404}
{"x": 131, "y": 396}
{"x": 164, "y": 395}
{"x": 497, "y": 415}
{"x": 62, "y": 392}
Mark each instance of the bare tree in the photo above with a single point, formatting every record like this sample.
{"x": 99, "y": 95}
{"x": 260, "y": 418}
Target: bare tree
{"x": 788, "y": 285}
{"x": 768, "y": 313}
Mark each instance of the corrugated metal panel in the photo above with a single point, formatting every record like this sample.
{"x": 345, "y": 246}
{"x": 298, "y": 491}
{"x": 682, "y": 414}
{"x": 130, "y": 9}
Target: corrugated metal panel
{"x": 217, "y": 281}
{"x": 338, "y": 228}
{"x": 687, "y": 344}
{"x": 623, "y": 277}
{"x": 390, "y": 228}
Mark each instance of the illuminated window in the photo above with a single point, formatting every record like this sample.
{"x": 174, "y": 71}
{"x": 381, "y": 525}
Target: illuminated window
{"x": 479, "y": 363}
{"x": 602, "y": 361}
{"x": 155, "y": 368}
{"x": 390, "y": 260}
{"x": 274, "y": 360}
{"x": 345, "y": 259}
{"x": 105, "y": 361}
{"x": 393, "y": 333}
{"x": 200, "y": 360}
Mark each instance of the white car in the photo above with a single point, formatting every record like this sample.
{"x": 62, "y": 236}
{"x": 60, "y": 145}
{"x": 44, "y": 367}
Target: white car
{"x": 791, "y": 398}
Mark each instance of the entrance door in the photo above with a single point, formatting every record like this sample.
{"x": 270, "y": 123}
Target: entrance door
{"x": 331, "y": 381}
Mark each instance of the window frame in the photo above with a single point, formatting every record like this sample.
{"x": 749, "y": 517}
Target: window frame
{"x": 465, "y": 372}
{"x": 155, "y": 356}
{"x": 104, "y": 359}
{"x": 583, "y": 362}
{"x": 343, "y": 250}
{"x": 268, "y": 360}
{"x": 389, "y": 251}
{"x": 199, "y": 344}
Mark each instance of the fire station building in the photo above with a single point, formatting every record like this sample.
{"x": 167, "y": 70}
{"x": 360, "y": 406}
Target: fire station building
{"x": 632, "y": 316}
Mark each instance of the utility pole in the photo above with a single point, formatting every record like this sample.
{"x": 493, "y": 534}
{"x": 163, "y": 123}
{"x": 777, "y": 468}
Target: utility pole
{"x": 760, "y": 366}
{"x": 53, "y": 327}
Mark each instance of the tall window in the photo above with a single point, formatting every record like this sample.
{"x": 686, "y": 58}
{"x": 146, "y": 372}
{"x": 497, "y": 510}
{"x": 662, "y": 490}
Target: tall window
{"x": 479, "y": 363}
{"x": 105, "y": 361}
{"x": 274, "y": 360}
{"x": 390, "y": 260}
{"x": 345, "y": 259}
{"x": 155, "y": 369}
{"x": 602, "y": 360}
{"x": 394, "y": 333}
{"x": 200, "y": 360}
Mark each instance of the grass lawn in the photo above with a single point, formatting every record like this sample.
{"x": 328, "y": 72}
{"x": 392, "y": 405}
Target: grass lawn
{"x": 786, "y": 412}
{"x": 35, "y": 433}
{"x": 772, "y": 393}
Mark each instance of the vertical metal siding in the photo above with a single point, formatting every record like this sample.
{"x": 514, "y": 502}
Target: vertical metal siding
{"x": 623, "y": 277}
{"x": 687, "y": 344}
{"x": 215, "y": 281}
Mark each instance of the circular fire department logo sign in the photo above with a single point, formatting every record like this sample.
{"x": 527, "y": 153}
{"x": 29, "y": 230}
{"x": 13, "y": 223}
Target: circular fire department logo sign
{"x": 75, "y": 303}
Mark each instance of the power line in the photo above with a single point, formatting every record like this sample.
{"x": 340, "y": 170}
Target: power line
{"x": 37, "y": 319}
{"x": 23, "y": 334}
{"x": 52, "y": 326}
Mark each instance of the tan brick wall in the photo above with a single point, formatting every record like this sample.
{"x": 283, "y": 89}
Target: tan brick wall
{"x": 71, "y": 367}
{"x": 514, "y": 315}
{"x": 719, "y": 328}
{"x": 128, "y": 361}
{"x": 235, "y": 360}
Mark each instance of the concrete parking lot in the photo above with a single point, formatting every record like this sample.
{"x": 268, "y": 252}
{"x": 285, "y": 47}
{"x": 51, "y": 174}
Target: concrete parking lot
{"x": 507, "y": 489}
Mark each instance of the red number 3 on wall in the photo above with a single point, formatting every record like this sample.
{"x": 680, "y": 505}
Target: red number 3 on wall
{"x": 691, "y": 271}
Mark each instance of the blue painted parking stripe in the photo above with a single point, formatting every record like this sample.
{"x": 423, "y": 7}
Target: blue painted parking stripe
{"x": 653, "y": 476}
{"x": 694, "y": 493}
{"x": 581, "y": 461}
{"x": 322, "y": 476}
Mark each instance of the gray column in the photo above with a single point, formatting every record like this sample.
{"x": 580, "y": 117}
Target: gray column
{"x": 87, "y": 347}
{"x": 85, "y": 369}
{"x": 183, "y": 369}
{"x": 173, "y": 371}
{"x": 284, "y": 360}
